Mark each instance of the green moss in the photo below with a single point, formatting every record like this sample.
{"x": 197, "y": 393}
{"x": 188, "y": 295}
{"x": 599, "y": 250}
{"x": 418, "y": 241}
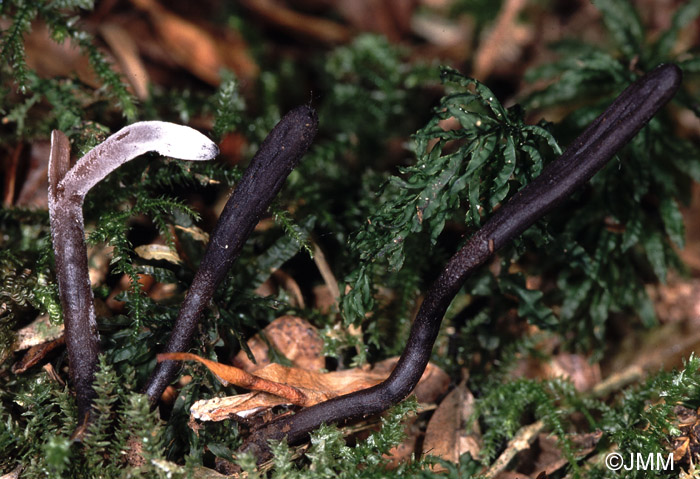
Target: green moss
{"x": 386, "y": 222}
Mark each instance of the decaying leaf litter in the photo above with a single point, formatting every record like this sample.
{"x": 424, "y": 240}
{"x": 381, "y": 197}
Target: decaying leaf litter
{"x": 166, "y": 26}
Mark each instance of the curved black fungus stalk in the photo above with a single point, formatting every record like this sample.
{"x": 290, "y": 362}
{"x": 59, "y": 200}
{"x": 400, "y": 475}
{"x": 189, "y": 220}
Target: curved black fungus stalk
{"x": 587, "y": 154}
{"x": 67, "y": 190}
{"x": 278, "y": 155}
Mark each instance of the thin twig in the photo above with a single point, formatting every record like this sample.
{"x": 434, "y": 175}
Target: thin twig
{"x": 521, "y": 442}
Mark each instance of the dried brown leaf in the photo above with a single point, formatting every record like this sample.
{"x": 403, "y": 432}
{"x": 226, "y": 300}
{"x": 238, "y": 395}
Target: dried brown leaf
{"x": 308, "y": 26}
{"x": 37, "y": 332}
{"x": 51, "y": 59}
{"x": 504, "y": 42}
{"x": 443, "y": 32}
{"x": 243, "y": 405}
{"x": 326, "y": 273}
{"x": 198, "y": 234}
{"x": 126, "y": 52}
{"x": 158, "y": 252}
{"x": 14, "y": 474}
{"x": 550, "y": 457}
{"x": 407, "y": 449}
{"x": 34, "y": 190}
{"x": 575, "y": 368}
{"x": 280, "y": 279}
{"x": 323, "y": 299}
{"x": 10, "y": 168}
{"x": 293, "y": 337}
{"x": 392, "y": 18}
{"x": 197, "y": 50}
{"x": 189, "y": 45}
{"x": 678, "y": 300}
{"x": 238, "y": 377}
{"x": 37, "y": 354}
{"x": 316, "y": 386}
{"x": 447, "y": 435}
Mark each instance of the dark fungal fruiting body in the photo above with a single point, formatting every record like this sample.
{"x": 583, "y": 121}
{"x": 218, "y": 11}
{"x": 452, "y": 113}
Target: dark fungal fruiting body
{"x": 278, "y": 155}
{"x": 70, "y": 251}
{"x": 587, "y": 154}
{"x": 67, "y": 190}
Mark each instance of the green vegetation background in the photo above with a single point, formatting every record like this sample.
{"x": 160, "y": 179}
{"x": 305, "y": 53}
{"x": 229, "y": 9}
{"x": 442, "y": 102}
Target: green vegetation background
{"x": 362, "y": 208}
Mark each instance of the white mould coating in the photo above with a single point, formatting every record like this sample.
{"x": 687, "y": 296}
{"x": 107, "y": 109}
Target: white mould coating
{"x": 167, "y": 139}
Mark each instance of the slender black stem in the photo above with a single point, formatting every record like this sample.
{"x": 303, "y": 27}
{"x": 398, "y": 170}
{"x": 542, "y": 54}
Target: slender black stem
{"x": 70, "y": 252}
{"x": 588, "y": 153}
{"x": 262, "y": 180}
{"x": 67, "y": 190}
